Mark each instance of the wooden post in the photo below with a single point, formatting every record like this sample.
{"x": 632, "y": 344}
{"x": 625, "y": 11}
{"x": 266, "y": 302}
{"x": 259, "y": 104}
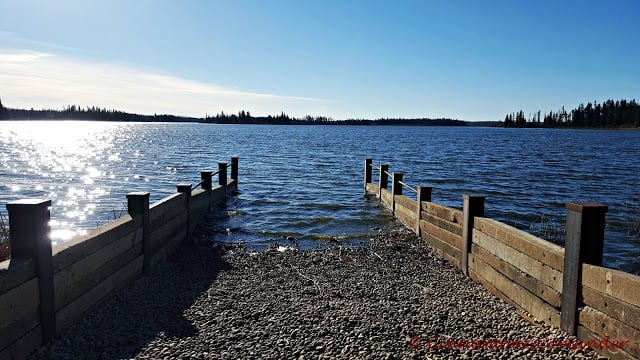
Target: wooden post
{"x": 382, "y": 183}
{"x": 186, "y": 189}
{"x": 396, "y": 189}
{"x": 367, "y": 173}
{"x": 30, "y": 235}
{"x": 472, "y": 206}
{"x": 138, "y": 206}
{"x": 222, "y": 175}
{"x": 207, "y": 180}
{"x": 234, "y": 169}
{"x": 423, "y": 194}
{"x": 584, "y": 244}
{"x": 207, "y": 184}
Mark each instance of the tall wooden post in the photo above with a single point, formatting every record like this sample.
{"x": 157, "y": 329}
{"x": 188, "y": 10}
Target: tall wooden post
{"x": 30, "y": 235}
{"x": 472, "y": 206}
{"x": 396, "y": 189}
{"x": 222, "y": 175}
{"x": 382, "y": 183}
{"x": 584, "y": 244}
{"x": 207, "y": 180}
{"x": 423, "y": 194}
{"x": 234, "y": 169}
{"x": 138, "y": 206}
{"x": 207, "y": 184}
{"x": 367, "y": 172}
{"x": 186, "y": 190}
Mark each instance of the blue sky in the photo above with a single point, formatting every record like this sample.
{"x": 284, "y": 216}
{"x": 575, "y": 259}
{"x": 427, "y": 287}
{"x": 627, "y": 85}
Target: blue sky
{"x": 471, "y": 60}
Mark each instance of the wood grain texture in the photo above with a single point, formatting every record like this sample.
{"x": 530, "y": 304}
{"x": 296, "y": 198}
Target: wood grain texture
{"x": 539, "y": 249}
{"x": 452, "y": 227}
{"x": 444, "y": 212}
{"x": 75, "y": 310}
{"x": 535, "y": 286}
{"x": 607, "y": 304}
{"x": 544, "y": 273}
{"x": 605, "y": 325}
{"x": 442, "y": 234}
{"x": 618, "y": 284}
{"x": 69, "y": 252}
{"x": 519, "y": 295}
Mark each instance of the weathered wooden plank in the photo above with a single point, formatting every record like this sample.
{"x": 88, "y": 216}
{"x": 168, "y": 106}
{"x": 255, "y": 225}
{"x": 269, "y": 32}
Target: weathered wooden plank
{"x": 548, "y": 253}
{"x": 76, "y": 309}
{"x": 487, "y": 285}
{"x": 605, "y": 325}
{"x": 199, "y": 194}
{"x": 408, "y": 221}
{"x": 232, "y": 186}
{"x": 24, "y": 346}
{"x": 73, "y": 283}
{"x": 444, "y": 212}
{"x": 68, "y": 252}
{"x": 15, "y": 272}
{"x": 535, "y": 286}
{"x": 218, "y": 194}
{"x": 406, "y": 202}
{"x": 519, "y": 295}
{"x": 199, "y": 201}
{"x": 442, "y": 223}
{"x": 617, "y": 309}
{"x": 546, "y": 274}
{"x": 386, "y": 197}
{"x": 407, "y": 212}
{"x": 166, "y": 209}
{"x": 373, "y": 188}
{"x": 618, "y": 284}
{"x": 159, "y": 236}
{"x": 17, "y": 328}
{"x": 17, "y": 302}
{"x": 618, "y": 353}
{"x": 442, "y": 234}
{"x": 95, "y": 260}
{"x": 444, "y": 249}
{"x": 171, "y": 243}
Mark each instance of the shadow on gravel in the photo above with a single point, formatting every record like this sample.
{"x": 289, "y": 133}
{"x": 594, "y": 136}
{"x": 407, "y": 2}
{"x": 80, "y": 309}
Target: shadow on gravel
{"x": 154, "y": 306}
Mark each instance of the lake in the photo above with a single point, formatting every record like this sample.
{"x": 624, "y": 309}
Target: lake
{"x": 306, "y": 181}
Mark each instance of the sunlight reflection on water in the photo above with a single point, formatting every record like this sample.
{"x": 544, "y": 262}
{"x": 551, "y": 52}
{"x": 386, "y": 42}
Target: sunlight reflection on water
{"x": 306, "y": 181}
{"x": 72, "y": 154}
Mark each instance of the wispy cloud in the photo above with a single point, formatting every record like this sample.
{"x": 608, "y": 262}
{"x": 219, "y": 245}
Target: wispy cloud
{"x": 43, "y": 80}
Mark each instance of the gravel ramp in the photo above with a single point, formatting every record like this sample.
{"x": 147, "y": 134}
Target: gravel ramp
{"x": 391, "y": 299}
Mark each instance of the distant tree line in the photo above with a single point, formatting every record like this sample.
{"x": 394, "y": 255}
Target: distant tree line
{"x": 610, "y": 114}
{"x": 244, "y": 117}
{"x": 74, "y": 112}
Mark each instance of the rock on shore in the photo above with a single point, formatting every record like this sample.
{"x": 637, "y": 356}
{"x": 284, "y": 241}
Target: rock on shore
{"x": 392, "y": 299}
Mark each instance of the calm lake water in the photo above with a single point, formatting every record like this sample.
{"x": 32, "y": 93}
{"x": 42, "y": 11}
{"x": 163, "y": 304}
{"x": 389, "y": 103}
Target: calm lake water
{"x": 306, "y": 181}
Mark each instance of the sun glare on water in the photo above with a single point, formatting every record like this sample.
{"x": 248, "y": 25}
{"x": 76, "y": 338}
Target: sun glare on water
{"x": 55, "y": 158}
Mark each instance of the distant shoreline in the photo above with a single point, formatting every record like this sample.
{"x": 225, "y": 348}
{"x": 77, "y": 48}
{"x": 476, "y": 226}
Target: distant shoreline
{"x": 244, "y": 118}
{"x": 73, "y": 113}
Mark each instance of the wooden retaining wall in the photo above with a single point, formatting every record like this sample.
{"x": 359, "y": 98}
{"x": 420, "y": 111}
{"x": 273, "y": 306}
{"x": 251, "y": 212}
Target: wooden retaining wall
{"x": 564, "y": 287}
{"x": 43, "y": 291}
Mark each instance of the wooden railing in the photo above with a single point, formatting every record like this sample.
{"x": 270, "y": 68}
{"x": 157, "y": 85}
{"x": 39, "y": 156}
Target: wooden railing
{"x": 564, "y": 287}
{"x": 44, "y": 290}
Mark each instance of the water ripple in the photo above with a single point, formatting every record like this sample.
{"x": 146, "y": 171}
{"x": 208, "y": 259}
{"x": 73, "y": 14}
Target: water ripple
{"x": 307, "y": 181}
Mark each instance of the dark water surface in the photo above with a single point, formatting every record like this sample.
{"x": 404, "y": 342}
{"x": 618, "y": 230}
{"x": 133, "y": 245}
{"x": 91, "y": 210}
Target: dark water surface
{"x": 306, "y": 181}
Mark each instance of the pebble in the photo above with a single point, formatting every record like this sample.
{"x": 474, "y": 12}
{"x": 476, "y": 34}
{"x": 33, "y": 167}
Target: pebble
{"x": 393, "y": 298}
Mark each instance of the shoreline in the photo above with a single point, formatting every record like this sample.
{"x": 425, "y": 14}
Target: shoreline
{"x": 393, "y": 298}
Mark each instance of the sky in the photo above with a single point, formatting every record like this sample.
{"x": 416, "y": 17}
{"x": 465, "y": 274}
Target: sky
{"x": 468, "y": 60}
